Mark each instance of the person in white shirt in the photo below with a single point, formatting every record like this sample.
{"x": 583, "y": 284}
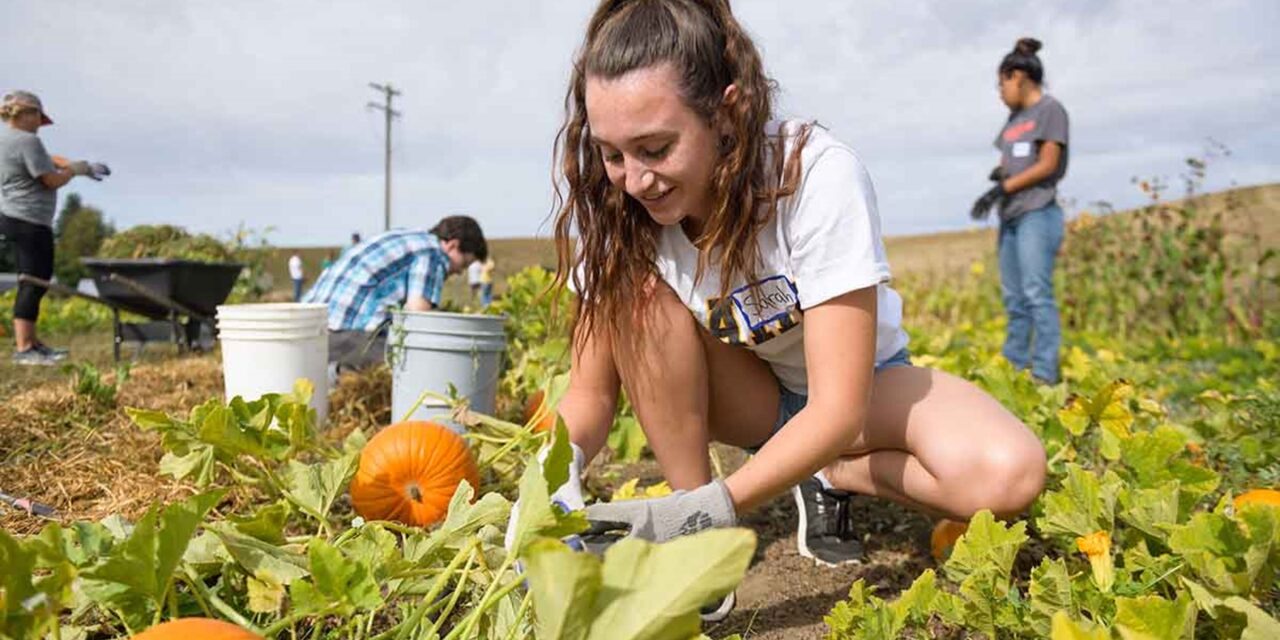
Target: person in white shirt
{"x": 297, "y": 275}
{"x": 732, "y": 278}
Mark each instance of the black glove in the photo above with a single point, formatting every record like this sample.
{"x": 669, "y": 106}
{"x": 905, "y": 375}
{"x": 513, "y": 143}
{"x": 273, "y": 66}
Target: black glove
{"x": 997, "y": 174}
{"x": 993, "y": 197}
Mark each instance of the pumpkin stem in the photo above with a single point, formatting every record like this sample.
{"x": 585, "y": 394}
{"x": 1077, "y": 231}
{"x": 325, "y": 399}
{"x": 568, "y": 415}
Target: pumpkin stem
{"x": 414, "y": 492}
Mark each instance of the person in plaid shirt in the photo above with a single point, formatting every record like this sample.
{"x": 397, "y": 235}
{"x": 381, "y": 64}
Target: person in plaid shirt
{"x": 397, "y": 268}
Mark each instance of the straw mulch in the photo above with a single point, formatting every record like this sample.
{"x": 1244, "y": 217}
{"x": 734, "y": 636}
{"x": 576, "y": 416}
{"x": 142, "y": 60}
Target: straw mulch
{"x": 88, "y": 461}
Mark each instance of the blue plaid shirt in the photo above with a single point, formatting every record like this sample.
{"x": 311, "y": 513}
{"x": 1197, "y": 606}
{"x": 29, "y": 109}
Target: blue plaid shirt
{"x": 379, "y": 273}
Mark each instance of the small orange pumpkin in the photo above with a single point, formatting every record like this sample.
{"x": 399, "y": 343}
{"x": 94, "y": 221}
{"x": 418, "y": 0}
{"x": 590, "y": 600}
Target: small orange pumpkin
{"x": 192, "y": 628}
{"x": 1257, "y": 496}
{"x": 944, "y": 537}
{"x": 531, "y": 409}
{"x": 409, "y": 471}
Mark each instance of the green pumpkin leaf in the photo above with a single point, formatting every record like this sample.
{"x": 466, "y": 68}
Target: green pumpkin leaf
{"x": 314, "y": 487}
{"x": 1220, "y": 552}
{"x": 1150, "y": 511}
{"x": 266, "y": 523}
{"x": 266, "y": 594}
{"x": 135, "y": 577}
{"x": 536, "y": 515}
{"x": 564, "y": 584}
{"x": 17, "y": 564}
{"x": 197, "y": 464}
{"x": 559, "y": 459}
{"x": 1050, "y": 592}
{"x": 988, "y": 546}
{"x": 338, "y": 585}
{"x": 260, "y": 558}
{"x": 1064, "y": 628}
{"x": 1250, "y": 621}
{"x": 221, "y": 429}
{"x": 1110, "y": 408}
{"x": 1084, "y": 504}
{"x": 1074, "y": 416}
{"x": 654, "y": 591}
{"x": 1154, "y": 618}
{"x": 150, "y": 420}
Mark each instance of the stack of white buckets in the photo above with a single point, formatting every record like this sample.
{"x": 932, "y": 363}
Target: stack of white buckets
{"x": 268, "y": 347}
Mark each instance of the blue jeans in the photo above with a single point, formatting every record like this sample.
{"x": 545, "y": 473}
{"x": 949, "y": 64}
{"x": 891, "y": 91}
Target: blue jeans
{"x": 1028, "y": 246}
{"x": 297, "y": 289}
{"x": 790, "y": 403}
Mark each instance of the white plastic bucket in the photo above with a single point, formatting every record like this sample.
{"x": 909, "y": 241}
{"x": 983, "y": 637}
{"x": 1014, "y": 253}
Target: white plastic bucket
{"x": 267, "y": 347}
{"x": 430, "y": 350}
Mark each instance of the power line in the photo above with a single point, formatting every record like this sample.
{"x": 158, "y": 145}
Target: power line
{"x": 388, "y": 92}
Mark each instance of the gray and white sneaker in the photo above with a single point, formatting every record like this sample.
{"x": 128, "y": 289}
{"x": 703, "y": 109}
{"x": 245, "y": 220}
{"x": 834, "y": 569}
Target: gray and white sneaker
{"x": 35, "y": 357}
{"x": 54, "y": 352}
{"x": 825, "y": 532}
{"x": 719, "y": 610}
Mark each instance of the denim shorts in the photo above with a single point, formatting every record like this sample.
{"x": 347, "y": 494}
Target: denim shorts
{"x": 790, "y": 403}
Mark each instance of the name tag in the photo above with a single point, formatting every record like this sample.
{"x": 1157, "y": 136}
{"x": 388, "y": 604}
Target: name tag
{"x": 771, "y": 299}
{"x": 1021, "y": 149}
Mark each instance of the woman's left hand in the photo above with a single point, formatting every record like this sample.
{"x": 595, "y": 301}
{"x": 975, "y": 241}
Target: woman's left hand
{"x": 661, "y": 519}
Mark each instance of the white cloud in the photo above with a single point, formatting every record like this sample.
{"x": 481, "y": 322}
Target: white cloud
{"x": 217, "y": 114}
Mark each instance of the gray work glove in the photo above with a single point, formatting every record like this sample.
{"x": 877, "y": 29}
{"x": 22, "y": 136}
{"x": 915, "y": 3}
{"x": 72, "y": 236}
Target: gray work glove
{"x": 660, "y": 519}
{"x": 992, "y": 198}
{"x": 98, "y": 171}
{"x": 79, "y": 168}
{"x": 997, "y": 174}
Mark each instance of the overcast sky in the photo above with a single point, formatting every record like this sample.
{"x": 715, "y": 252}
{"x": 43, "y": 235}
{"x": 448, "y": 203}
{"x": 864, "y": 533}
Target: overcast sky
{"x": 214, "y": 114}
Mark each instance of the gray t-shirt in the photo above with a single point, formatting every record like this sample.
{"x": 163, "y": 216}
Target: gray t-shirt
{"x": 1019, "y": 144}
{"x": 23, "y": 160}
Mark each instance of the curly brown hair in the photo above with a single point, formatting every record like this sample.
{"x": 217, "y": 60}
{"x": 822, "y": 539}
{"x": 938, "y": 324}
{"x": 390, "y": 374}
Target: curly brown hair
{"x": 616, "y": 247}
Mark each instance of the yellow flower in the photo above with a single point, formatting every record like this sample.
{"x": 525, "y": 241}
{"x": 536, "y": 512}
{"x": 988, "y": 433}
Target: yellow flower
{"x": 1097, "y": 546}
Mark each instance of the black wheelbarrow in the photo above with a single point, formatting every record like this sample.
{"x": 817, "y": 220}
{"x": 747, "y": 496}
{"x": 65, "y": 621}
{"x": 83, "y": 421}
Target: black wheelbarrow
{"x": 179, "y": 298}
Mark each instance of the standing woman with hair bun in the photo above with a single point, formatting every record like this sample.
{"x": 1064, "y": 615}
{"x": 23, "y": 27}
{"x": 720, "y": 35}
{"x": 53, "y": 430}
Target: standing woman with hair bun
{"x": 732, "y": 278}
{"x": 1033, "y": 158}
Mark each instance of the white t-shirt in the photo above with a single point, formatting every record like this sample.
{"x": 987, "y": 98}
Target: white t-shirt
{"x": 824, "y": 241}
{"x": 475, "y": 273}
{"x": 295, "y": 267}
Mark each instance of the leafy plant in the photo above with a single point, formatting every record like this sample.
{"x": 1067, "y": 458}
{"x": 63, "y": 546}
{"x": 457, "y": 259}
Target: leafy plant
{"x": 87, "y": 382}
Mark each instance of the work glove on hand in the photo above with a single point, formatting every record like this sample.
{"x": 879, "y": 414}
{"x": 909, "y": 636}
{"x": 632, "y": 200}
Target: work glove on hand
{"x": 997, "y": 174}
{"x": 79, "y": 168}
{"x": 98, "y": 171}
{"x": 990, "y": 199}
{"x": 660, "y": 519}
{"x": 568, "y": 496}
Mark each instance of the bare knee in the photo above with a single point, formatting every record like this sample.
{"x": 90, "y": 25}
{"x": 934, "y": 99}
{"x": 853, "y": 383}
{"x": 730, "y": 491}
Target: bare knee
{"x": 1005, "y": 478}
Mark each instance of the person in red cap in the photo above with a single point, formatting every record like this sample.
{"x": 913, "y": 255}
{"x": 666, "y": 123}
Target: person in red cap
{"x": 29, "y": 181}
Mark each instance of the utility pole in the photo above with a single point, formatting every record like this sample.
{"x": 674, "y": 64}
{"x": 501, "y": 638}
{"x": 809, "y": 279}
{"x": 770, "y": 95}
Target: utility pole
{"x": 388, "y": 92}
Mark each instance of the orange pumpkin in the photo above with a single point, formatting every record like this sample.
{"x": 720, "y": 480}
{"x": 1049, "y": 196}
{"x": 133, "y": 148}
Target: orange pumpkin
{"x": 531, "y": 409}
{"x": 409, "y": 472}
{"x": 1257, "y": 496}
{"x": 192, "y": 628}
{"x": 944, "y": 537}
